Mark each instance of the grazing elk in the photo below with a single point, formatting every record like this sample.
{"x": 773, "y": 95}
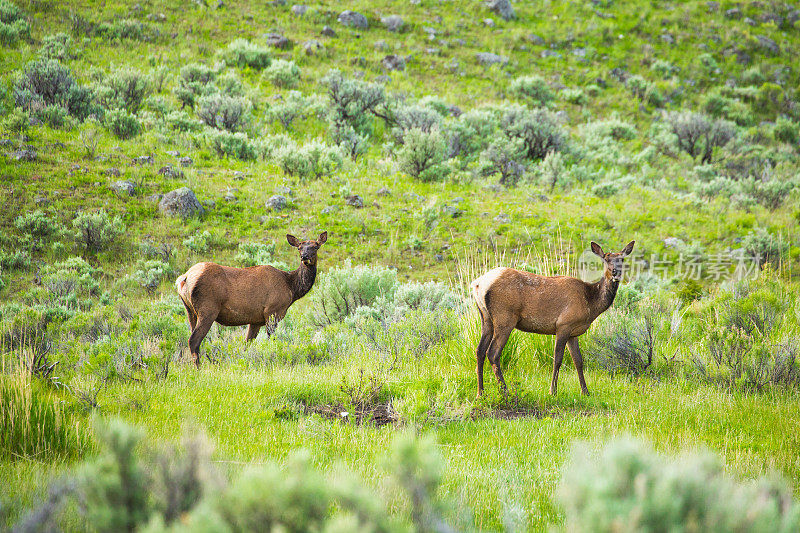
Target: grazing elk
{"x": 551, "y": 305}
{"x": 254, "y": 296}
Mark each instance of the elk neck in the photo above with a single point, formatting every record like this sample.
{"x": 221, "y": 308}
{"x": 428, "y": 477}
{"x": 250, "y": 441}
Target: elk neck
{"x": 602, "y": 293}
{"x": 302, "y": 279}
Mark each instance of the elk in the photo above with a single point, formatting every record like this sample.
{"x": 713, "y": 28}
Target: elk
{"x": 256, "y": 296}
{"x": 550, "y": 305}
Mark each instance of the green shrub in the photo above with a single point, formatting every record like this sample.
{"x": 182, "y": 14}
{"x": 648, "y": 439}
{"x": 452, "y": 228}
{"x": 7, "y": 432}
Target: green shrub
{"x": 236, "y": 145}
{"x": 762, "y": 245}
{"x": 339, "y": 292}
{"x": 353, "y": 101}
{"x": 242, "y": 53}
{"x": 630, "y": 488}
{"x": 504, "y": 157}
{"x": 786, "y": 130}
{"x": 13, "y": 26}
{"x": 423, "y": 154}
{"x": 537, "y": 129}
{"x": 624, "y": 342}
{"x": 15, "y": 260}
{"x": 71, "y": 283}
{"x": 122, "y": 124}
{"x": 698, "y": 135}
{"x": 471, "y": 133}
{"x": 422, "y": 118}
{"x": 37, "y": 229}
{"x": 17, "y": 121}
{"x": 645, "y": 90}
{"x": 183, "y": 122}
{"x": 533, "y": 89}
{"x": 151, "y": 272}
{"x": 58, "y": 46}
{"x": 34, "y": 423}
{"x": 573, "y": 96}
{"x": 664, "y": 68}
{"x": 199, "y": 243}
{"x": 224, "y": 112}
{"x": 289, "y": 109}
{"x": 254, "y": 253}
{"x": 230, "y": 84}
{"x": 605, "y": 189}
{"x": 125, "y": 88}
{"x": 195, "y": 80}
{"x": 44, "y": 82}
{"x": 96, "y": 231}
{"x": 282, "y": 73}
{"x": 314, "y": 159}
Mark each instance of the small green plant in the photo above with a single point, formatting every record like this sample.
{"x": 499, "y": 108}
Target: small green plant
{"x": 95, "y": 232}
{"x": 198, "y": 243}
{"x": 698, "y": 135}
{"x": 150, "y": 273}
{"x": 506, "y": 158}
{"x": 126, "y": 89}
{"x": 534, "y": 89}
{"x": 58, "y": 46}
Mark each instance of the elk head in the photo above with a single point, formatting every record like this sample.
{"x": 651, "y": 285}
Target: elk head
{"x": 613, "y": 261}
{"x": 308, "y": 249}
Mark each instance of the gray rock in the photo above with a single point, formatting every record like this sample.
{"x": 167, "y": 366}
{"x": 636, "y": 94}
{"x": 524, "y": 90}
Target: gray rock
{"x": 439, "y": 258}
{"x": 393, "y": 23}
{"x": 155, "y": 198}
{"x": 414, "y": 196}
{"x": 329, "y": 209}
{"x": 263, "y": 219}
{"x": 210, "y": 204}
{"x": 489, "y": 23}
{"x": 733, "y": 13}
{"x": 384, "y": 191}
{"x": 143, "y": 160}
{"x": 457, "y": 200}
{"x": 667, "y": 38}
{"x": 353, "y": 19}
{"x": 113, "y": 171}
{"x": 535, "y": 39}
{"x": 312, "y": 47}
{"x": 186, "y": 161}
{"x": 502, "y": 218}
{"x": 124, "y": 187}
{"x": 487, "y": 59}
{"x": 381, "y": 45}
{"x": 503, "y": 8}
{"x": 41, "y": 200}
{"x": 276, "y": 202}
{"x": 284, "y": 190}
{"x": 173, "y": 153}
{"x": 238, "y": 175}
{"x": 354, "y": 200}
{"x": 549, "y": 53}
{"x": 393, "y": 62}
{"x": 299, "y": 9}
{"x": 749, "y": 21}
{"x": 327, "y": 31}
{"x": 433, "y": 51}
{"x": 452, "y": 211}
{"x": 276, "y": 40}
{"x": 24, "y": 155}
{"x": 579, "y": 52}
{"x": 230, "y": 196}
{"x": 180, "y": 203}
{"x": 170, "y": 172}
{"x": 768, "y": 44}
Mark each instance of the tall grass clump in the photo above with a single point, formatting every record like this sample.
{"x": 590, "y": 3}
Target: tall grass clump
{"x": 631, "y": 488}
{"x": 35, "y": 425}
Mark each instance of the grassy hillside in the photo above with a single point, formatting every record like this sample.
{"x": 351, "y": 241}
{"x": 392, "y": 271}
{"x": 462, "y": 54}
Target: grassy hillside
{"x": 440, "y": 140}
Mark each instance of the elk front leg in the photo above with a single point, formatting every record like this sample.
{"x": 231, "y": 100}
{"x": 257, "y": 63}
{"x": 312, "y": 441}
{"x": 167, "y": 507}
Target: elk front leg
{"x": 252, "y": 332}
{"x": 577, "y": 358}
{"x": 558, "y": 357}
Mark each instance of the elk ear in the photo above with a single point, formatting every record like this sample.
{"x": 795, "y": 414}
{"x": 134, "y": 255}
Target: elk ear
{"x": 598, "y": 250}
{"x": 322, "y": 238}
{"x": 628, "y": 249}
{"x": 293, "y": 240}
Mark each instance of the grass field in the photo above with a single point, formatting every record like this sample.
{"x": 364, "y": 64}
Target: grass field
{"x": 676, "y": 124}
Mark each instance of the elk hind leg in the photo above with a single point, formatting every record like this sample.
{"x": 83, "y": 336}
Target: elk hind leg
{"x": 204, "y": 323}
{"x": 486, "y": 338}
{"x": 252, "y": 332}
{"x": 499, "y": 339}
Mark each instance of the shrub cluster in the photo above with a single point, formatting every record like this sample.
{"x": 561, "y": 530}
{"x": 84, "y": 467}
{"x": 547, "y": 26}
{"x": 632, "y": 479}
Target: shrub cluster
{"x": 242, "y": 53}
{"x": 224, "y": 112}
{"x": 13, "y": 25}
{"x": 96, "y": 231}
{"x": 312, "y": 160}
{"x": 282, "y": 73}
{"x": 45, "y": 83}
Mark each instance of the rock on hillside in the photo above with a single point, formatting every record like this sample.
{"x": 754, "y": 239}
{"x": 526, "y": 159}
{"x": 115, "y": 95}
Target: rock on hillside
{"x": 180, "y": 203}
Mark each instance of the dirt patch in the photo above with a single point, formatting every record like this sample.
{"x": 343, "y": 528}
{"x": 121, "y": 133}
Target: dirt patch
{"x": 377, "y": 414}
{"x": 511, "y": 413}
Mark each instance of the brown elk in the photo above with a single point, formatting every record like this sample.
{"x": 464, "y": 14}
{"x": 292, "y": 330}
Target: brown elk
{"x": 550, "y": 305}
{"x": 254, "y": 296}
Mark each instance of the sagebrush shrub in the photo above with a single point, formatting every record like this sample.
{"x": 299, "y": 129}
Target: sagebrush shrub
{"x": 195, "y": 80}
{"x": 126, "y": 88}
{"x": 282, "y": 73}
{"x": 533, "y": 89}
{"x": 625, "y": 341}
{"x": 340, "y": 291}
{"x": 698, "y": 135}
{"x": 312, "y": 160}
{"x": 224, "y": 112}
{"x": 122, "y": 124}
{"x": 151, "y": 272}
{"x": 629, "y": 488}
{"x": 13, "y": 25}
{"x": 468, "y": 136}
{"x": 236, "y": 145}
{"x": 46, "y": 81}
{"x": 762, "y": 245}
{"x": 37, "y": 229}
{"x": 182, "y": 121}
{"x": 537, "y": 129}
{"x": 254, "y": 253}
{"x": 230, "y": 84}
{"x": 243, "y": 53}
{"x": 58, "y": 46}
{"x": 504, "y": 157}
{"x": 786, "y": 130}
{"x": 72, "y": 283}
{"x": 96, "y": 231}
{"x": 645, "y": 90}
{"x": 418, "y": 117}
{"x": 423, "y": 154}
{"x": 353, "y": 101}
